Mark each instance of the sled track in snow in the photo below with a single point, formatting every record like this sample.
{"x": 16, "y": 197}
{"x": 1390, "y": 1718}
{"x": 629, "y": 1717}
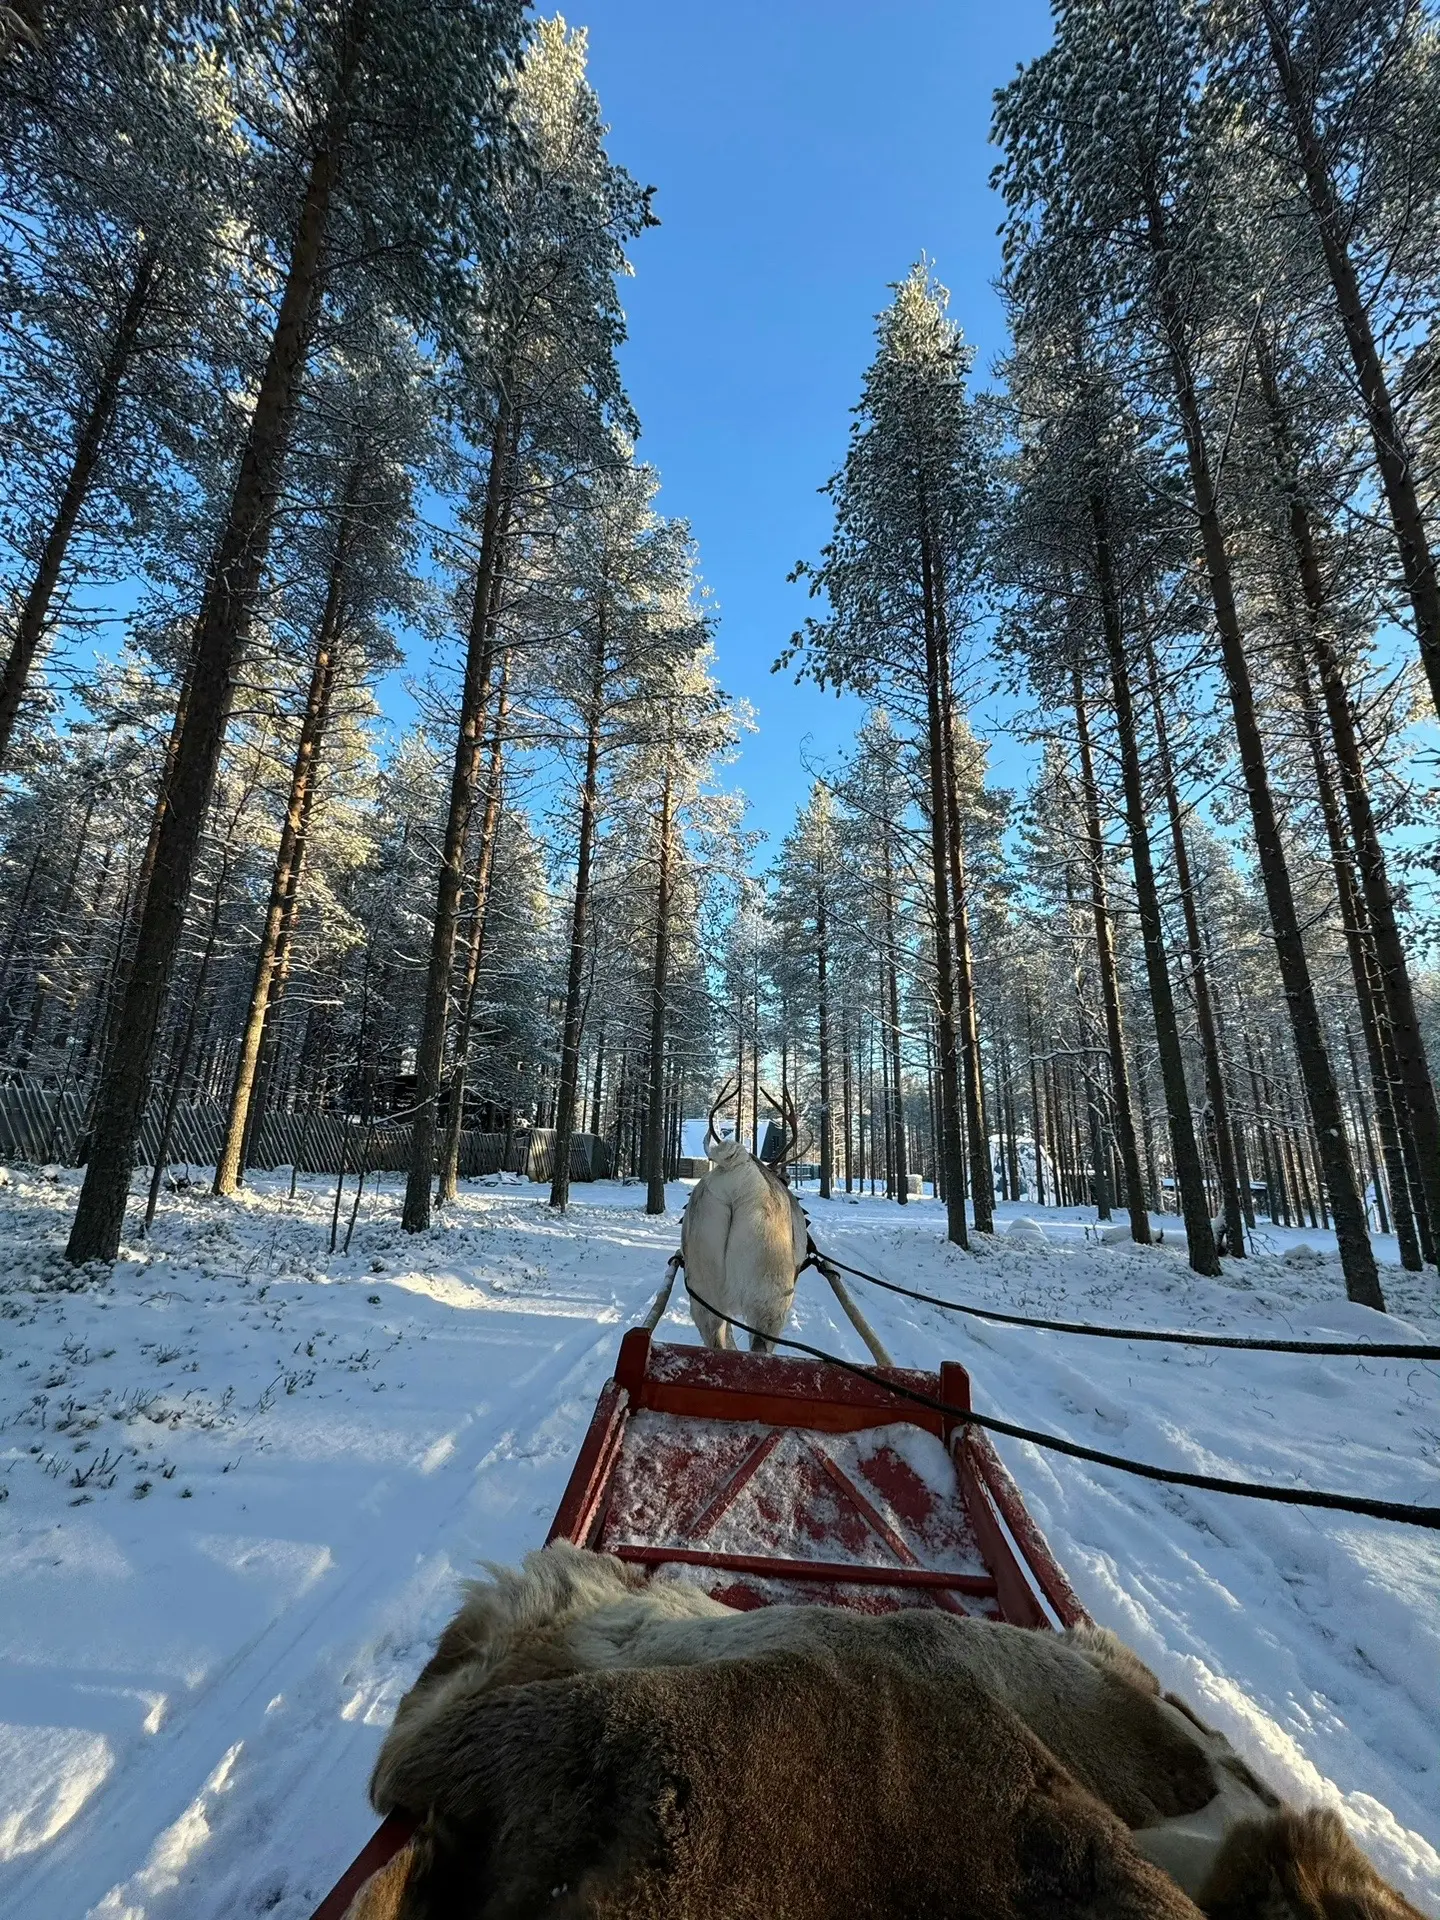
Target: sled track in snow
{"x": 106, "y": 1845}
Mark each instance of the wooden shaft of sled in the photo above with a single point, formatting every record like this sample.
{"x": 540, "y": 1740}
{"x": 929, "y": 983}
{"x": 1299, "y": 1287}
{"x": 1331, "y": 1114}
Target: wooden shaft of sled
{"x": 662, "y": 1298}
{"x": 857, "y": 1319}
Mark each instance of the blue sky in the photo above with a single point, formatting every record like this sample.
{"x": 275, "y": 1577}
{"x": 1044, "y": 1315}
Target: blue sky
{"x": 804, "y": 155}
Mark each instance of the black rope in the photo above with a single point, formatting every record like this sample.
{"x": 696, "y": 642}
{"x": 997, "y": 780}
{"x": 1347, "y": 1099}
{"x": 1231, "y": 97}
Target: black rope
{"x": 1378, "y": 1350}
{"x": 1414, "y": 1516}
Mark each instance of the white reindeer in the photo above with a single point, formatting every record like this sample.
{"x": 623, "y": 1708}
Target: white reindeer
{"x": 743, "y": 1239}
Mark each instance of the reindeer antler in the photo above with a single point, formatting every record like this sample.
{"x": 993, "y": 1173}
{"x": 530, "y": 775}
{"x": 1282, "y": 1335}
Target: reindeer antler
{"x": 788, "y": 1120}
{"x": 720, "y": 1099}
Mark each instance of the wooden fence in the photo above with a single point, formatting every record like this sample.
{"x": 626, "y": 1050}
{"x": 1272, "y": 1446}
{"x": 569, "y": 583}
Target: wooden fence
{"x": 40, "y": 1125}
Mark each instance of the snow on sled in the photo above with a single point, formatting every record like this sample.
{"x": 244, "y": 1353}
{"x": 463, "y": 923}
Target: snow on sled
{"x": 772, "y": 1480}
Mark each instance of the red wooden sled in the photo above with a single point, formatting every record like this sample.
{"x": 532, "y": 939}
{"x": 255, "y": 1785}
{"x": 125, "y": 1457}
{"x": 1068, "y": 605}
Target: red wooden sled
{"x": 766, "y": 1479}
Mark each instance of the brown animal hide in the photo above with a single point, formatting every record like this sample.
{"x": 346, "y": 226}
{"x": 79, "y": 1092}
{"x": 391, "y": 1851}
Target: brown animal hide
{"x": 1090, "y": 1701}
{"x": 381, "y": 1896}
{"x": 806, "y": 1786}
{"x": 1083, "y": 1695}
{"x": 1298, "y": 1866}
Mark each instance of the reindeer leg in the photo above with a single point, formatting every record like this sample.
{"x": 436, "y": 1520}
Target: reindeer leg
{"x": 712, "y": 1330}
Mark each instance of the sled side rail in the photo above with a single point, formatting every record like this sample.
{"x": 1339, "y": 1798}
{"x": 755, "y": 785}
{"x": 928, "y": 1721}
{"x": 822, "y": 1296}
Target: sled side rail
{"x": 379, "y": 1850}
{"x": 1031, "y": 1583}
{"x": 582, "y": 1505}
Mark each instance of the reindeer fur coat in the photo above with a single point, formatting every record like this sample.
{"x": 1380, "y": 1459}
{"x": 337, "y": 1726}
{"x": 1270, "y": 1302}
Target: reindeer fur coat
{"x": 742, "y": 1240}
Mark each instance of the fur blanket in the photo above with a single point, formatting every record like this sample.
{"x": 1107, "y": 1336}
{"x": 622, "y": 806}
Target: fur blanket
{"x": 816, "y": 1786}
{"x": 1091, "y": 1702}
{"x": 1083, "y": 1698}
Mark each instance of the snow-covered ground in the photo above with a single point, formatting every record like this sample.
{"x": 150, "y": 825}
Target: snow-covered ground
{"x": 241, "y": 1479}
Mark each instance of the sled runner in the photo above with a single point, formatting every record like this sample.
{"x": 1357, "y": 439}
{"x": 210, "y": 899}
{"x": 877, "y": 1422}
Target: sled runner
{"x": 776, "y": 1480}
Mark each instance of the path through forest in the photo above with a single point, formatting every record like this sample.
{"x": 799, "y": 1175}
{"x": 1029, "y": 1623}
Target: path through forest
{"x": 242, "y": 1479}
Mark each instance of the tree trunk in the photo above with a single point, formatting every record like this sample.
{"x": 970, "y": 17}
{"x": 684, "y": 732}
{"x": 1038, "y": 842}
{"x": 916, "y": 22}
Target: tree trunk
{"x": 755, "y": 1060}
{"x": 1184, "y": 1151}
{"x": 1109, "y": 979}
{"x": 1267, "y": 1167}
{"x": 860, "y": 1142}
{"x": 1417, "y": 1102}
{"x": 892, "y": 990}
{"x": 290, "y": 853}
{"x": 479, "y": 664}
{"x": 1357, "y": 944}
{"x": 1392, "y": 456}
{"x": 618, "y": 1131}
{"x": 579, "y": 931}
{"x": 977, "y": 1125}
{"x": 598, "y": 1091}
{"x": 187, "y": 1040}
{"x": 886, "y": 1105}
{"x": 1367, "y": 1137}
{"x": 1227, "y": 1083}
{"x": 1265, "y": 1105}
{"x": 982, "y": 1181}
{"x": 1095, "y": 1125}
{"x": 279, "y": 980}
{"x": 822, "y": 988}
{"x": 1013, "y": 1143}
{"x": 1357, "y": 1256}
{"x": 49, "y": 965}
{"x": 1037, "y": 1118}
{"x": 448, "y": 1184}
{"x": 1147, "y": 1137}
{"x": 940, "y": 884}
{"x": 220, "y": 634}
{"x": 846, "y": 1103}
{"x": 138, "y": 891}
{"x": 659, "y": 992}
{"x": 1216, "y": 1091}
{"x": 740, "y": 1057}
{"x": 1295, "y": 1140}
{"x": 35, "y": 609}
{"x": 18, "y": 920}
{"x": 932, "y": 1108}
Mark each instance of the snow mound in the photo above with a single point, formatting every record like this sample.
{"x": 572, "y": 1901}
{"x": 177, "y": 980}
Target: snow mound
{"x": 1024, "y": 1229}
{"x": 1303, "y": 1256}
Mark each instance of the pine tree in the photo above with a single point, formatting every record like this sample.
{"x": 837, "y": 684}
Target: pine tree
{"x": 541, "y": 387}
{"x": 1107, "y": 180}
{"x": 395, "y": 168}
{"x": 1348, "y": 96}
{"x": 374, "y": 422}
{"x": 898, "y": 575}
{"x": 123, "y": 320}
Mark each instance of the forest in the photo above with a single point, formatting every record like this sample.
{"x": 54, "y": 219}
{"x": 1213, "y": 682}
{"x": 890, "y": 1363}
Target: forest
{"x": 396, "y": 829}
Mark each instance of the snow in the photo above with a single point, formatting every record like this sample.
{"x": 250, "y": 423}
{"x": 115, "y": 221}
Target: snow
{"x": 241, "y": 1479}
{"x": 922, "y": 1452}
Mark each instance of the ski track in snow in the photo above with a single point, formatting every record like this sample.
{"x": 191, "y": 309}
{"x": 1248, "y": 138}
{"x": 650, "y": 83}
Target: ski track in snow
{"x": 242, "y": 1480}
